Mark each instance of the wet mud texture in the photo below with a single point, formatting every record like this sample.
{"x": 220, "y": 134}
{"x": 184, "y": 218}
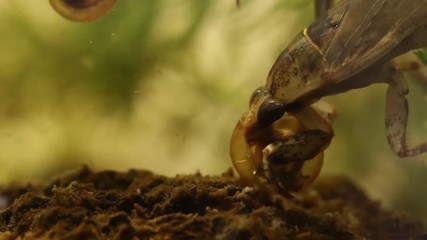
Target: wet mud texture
{"x": 141, "y": 205}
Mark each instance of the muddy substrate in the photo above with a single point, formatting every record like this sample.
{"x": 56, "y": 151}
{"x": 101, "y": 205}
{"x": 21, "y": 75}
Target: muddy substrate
{"x": 141, "y": 205}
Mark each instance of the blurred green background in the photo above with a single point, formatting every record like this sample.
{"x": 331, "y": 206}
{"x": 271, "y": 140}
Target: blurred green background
{"x": 160, "y": 84}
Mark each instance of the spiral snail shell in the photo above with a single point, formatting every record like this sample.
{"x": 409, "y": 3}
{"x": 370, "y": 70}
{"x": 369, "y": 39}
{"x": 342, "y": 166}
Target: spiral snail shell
{"x": 82, "y": 10}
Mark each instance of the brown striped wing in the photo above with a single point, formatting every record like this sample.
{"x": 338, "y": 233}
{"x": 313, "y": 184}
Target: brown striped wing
{"x": 369, "y": 30}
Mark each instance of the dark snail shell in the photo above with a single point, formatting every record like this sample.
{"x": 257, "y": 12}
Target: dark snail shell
{"x": 82, "y": 10}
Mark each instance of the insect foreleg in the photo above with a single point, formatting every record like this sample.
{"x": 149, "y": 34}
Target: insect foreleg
{"x": 299, "y": 147}
{"x": 397, "y": 118}
{"x": 293, "y": 162}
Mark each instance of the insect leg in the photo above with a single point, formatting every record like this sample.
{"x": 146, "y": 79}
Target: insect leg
{"x": 411, "y": 64}
{"x": 322, "y": 6}
{"x": 299, "y": 147}
{"x": 293, "y": 162}
{"x": 396, "y": 118}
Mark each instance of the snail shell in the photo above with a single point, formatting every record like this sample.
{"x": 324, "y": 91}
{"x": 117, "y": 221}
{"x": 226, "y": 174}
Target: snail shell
{"x": 82, "y": 10}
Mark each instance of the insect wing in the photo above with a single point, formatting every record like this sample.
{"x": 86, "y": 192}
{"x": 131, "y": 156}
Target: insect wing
{"x": 368, "y": 31}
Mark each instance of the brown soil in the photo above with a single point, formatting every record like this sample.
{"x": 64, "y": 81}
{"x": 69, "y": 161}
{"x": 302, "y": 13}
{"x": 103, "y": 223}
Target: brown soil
{"x": 141, "y": 205}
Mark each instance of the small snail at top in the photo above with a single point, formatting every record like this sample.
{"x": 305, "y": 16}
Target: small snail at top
{"x": 83, "y": 10}
{"x": 278, "y": 143}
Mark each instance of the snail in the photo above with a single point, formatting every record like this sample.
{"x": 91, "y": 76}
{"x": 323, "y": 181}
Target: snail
{"x": 82, "y": 10}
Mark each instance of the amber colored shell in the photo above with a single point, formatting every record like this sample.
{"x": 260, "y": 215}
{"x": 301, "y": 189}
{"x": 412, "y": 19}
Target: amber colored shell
{"x": 82, "y": 10}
